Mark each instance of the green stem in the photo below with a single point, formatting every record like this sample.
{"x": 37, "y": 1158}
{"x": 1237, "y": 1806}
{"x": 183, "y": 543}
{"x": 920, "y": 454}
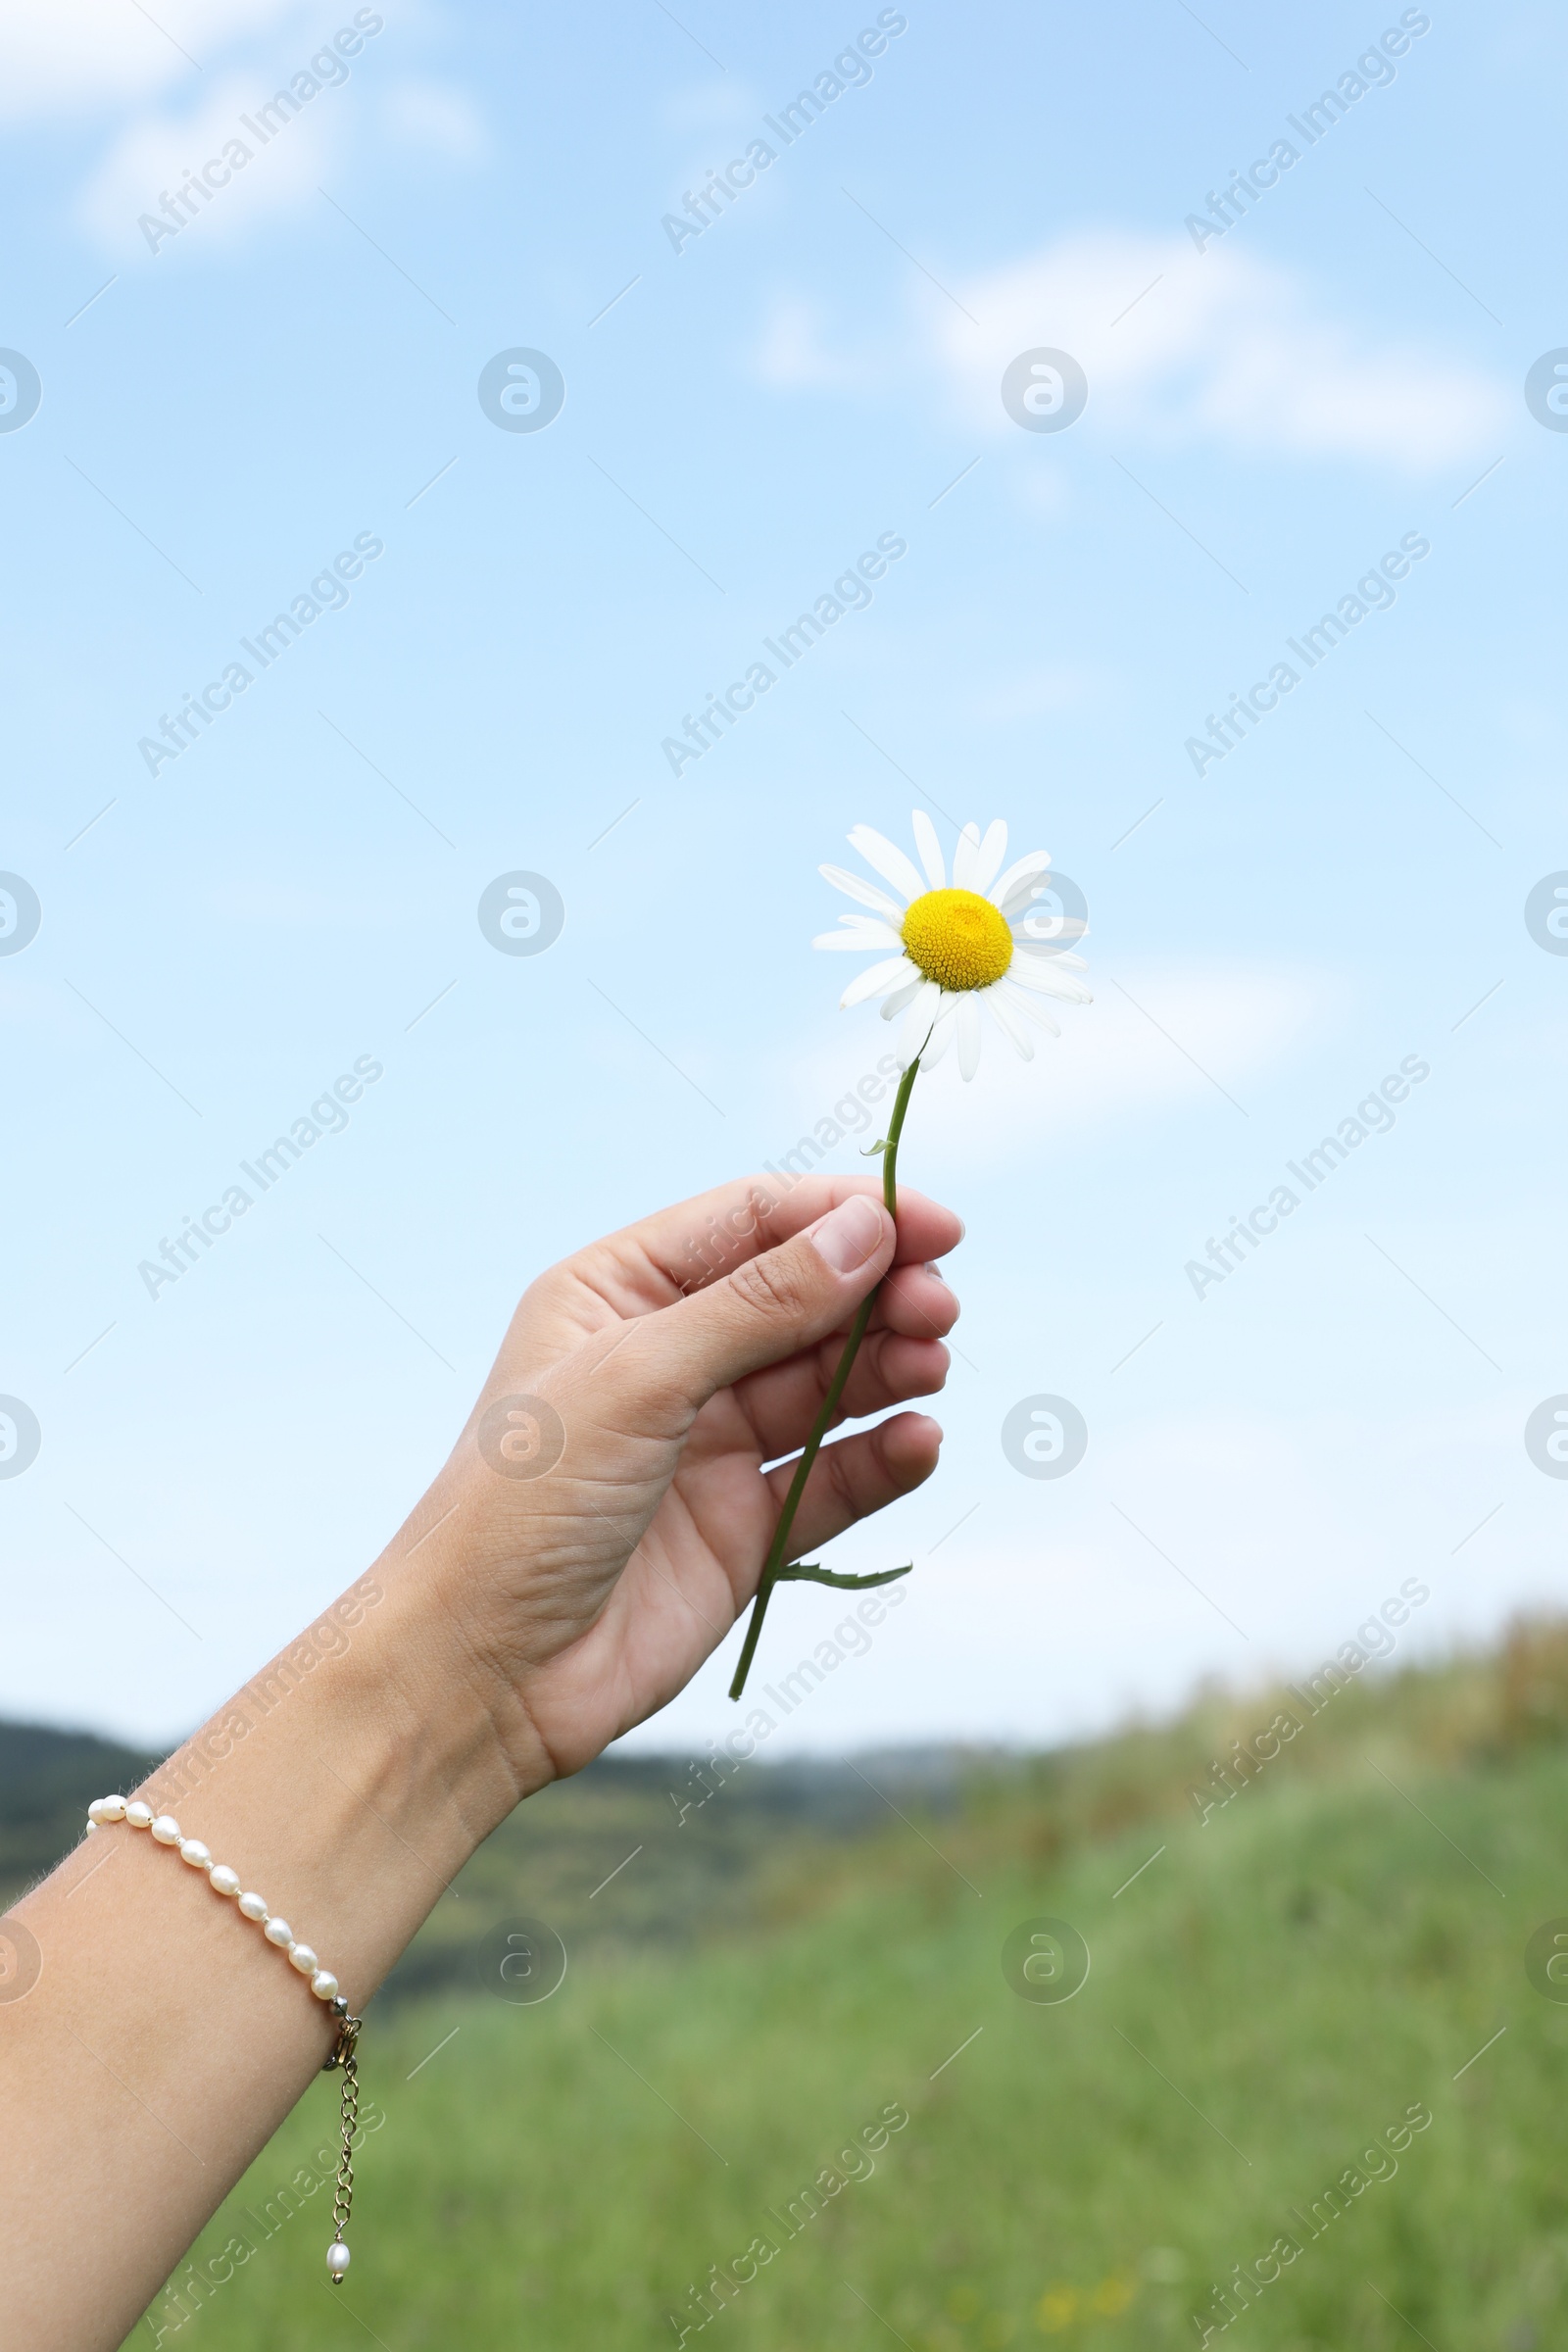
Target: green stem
{"x": 777, "y": 1551}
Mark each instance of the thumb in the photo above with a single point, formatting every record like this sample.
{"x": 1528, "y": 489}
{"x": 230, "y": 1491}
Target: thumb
{"x": 767, "y": 1308}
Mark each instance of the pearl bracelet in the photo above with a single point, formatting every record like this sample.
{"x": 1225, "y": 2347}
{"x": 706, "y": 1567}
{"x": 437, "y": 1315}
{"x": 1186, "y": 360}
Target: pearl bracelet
{"x": 103, "y": 1812}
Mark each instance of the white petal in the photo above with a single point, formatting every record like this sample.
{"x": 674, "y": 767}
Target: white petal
{"x": 889, "y": 861}
{"x": 930, "y": 849}
{"x": 923, "y": 1010}
{"x": 942, "y": 1037}
{"x": 1048, "y": 979}
{"x": 1017, "y": 1001}
{"x": 860, "y": 932}
{"x": 1040, "y": 934}
{"x": 894, "y": 972}
{"x": 892, "y": 1005}
{"x": 1045, "y": 973}
{"x": 992, "y": 850}
{"x": 1008, "y": 1023}
{"x": 969, "y": 1034}
{"x": 1023, "y": 869}
{"x": 1062, "y": 990}
{"x": 854, "y": 888}
{"x": 1034, "y": 918}
{"x": 964, "y": 857}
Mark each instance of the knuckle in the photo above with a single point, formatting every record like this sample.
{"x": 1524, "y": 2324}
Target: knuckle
{"x": 754, "y": 1212}
{"x": 842, "y": 1481}
{"x": 774, "y": 1286}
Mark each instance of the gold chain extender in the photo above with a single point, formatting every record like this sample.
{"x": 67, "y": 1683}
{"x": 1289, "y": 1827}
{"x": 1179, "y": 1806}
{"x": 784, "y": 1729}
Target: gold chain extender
{"x": 344, "y": 2056}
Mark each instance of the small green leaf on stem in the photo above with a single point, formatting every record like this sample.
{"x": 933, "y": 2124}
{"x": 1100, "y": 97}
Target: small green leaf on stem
{"x": 807, "y": 1572}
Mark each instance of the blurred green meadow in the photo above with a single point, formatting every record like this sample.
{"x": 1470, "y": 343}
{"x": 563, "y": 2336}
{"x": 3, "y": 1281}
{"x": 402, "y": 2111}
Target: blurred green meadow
{"x": 700, "y": 2128}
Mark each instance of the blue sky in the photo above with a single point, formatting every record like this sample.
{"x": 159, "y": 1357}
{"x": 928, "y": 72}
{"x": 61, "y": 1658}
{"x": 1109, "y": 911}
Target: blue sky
{"x": 1270, "y": 412}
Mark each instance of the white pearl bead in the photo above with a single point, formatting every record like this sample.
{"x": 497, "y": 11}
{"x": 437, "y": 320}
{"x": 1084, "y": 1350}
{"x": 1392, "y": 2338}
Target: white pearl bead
{"x": 91, "y": 1830}
{"x": 224, "y": 1880}
{"x": 324, "y": 1984}
{"x": 107, "y": 1808}
{"x": 140, "y": 1814}
{"x": 337, "y": 2259}
{"x": 301, "y": 1956}
{"x": 192, "y": 1851}
{"x": 165, "y": 1829}
{"x": 254, "y": 1906}
{"x": 278, "y": 1930}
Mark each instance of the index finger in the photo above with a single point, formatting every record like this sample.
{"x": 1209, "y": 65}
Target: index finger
{"x": 697, "y": 1241}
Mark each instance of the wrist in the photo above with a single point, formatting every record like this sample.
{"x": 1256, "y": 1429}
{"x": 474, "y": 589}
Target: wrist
{"x": 355, "y": 1774}
{"x": 447, "y": 1643}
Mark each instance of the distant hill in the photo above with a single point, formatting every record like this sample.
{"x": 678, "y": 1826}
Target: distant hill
{"x": 47, "y": 1780}
{"x": 694, "y": 1851}
{"x": 717, "y": 1834}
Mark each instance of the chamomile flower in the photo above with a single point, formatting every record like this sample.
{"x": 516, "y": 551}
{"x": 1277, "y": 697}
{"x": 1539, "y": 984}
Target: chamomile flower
{"x": 955, "y": 946}
{"x": 976, "y": 940}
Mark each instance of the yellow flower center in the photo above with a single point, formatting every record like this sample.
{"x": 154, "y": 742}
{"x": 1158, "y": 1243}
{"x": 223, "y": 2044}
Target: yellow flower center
{"x": 958, "y": 938}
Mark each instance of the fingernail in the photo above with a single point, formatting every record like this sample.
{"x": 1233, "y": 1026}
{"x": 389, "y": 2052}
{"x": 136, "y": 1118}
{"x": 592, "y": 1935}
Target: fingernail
{"x": 849, "y": 1234}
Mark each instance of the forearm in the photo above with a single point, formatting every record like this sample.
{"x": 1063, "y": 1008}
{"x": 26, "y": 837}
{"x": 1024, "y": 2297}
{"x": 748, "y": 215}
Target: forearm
{"x": 164, "y": 2039}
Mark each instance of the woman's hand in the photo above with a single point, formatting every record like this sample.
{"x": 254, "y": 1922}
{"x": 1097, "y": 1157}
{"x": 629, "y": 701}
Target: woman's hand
{"x": 604, "y": 1516}
{"x": 600, "y": 1525}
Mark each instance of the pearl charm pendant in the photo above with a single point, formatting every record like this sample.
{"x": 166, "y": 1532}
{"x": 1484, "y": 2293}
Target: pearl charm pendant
{"x": 337, "y": 2259}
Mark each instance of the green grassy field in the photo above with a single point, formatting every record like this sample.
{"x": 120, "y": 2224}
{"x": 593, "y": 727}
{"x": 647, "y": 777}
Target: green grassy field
{"x": 1273, "y": 2001}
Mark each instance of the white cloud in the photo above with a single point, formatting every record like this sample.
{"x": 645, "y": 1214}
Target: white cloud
{"x": 1181, "y": 347}
{"x": 1159, "y": 1040}
{"x": 77, "y": 56}
{"x": 1178, "y": 347}
{"x": 287, "y": 153}
{"x": 152, "y": 156}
